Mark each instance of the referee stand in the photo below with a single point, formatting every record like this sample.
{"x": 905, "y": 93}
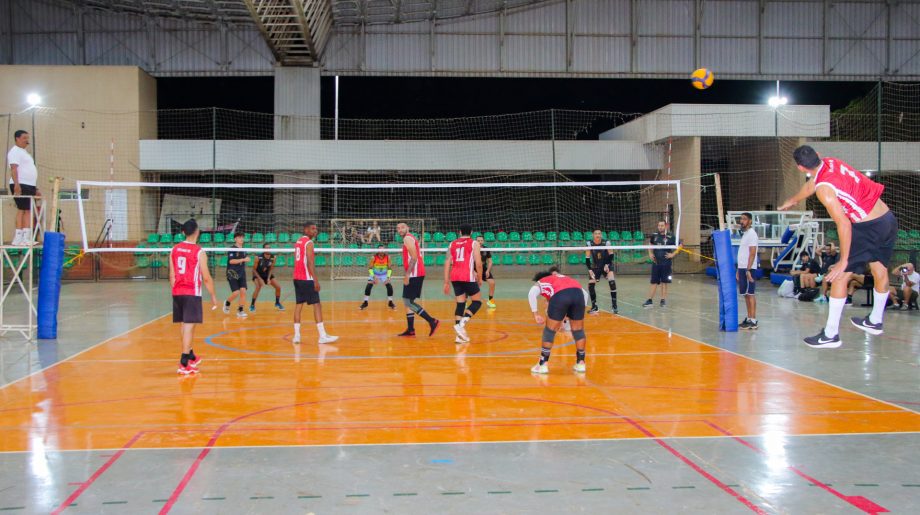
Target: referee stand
{"x": 17, "y": 272}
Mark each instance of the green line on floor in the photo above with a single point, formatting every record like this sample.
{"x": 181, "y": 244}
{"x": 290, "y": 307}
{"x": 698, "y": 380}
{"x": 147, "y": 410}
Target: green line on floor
{"x": 309, "y": 496}
{"x": 262, "y": 497}
{"x": 358, "y": 495}
{"x": 909, "y": 485}
{"x": 115, "y": 502}
{"x": 160, "y": 500}
{"x": 820, "y": 484}
{"x": 452, "y": 493}
{"x": 592, "y": 489}
{"x": 865, "y": 484}
{"x": 733, "y": 486}
{"x": 683, "y": 487}
{"x": 404, "y": 494}
{"x": 546, "y": 491}
{"x": 11, "y": 508}
{"x": 500, "y": 492}
{"x": 638, "y": 488}
{"x": 213, "y": 498}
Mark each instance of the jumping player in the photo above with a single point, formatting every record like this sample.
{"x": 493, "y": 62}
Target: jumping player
{"x": 566, "y": 301}
{"x": 379, "y": 272}
{"x": 306, "y": 286}
{"x": 262, "y": 276}
{"x": 236, "y": 275}
{"x": 867, "y": 231}
{"x": 487, "y": 273}
{"x": 463, "y": 270}
{"x": 599, "y": 263}
{"x": 412, "y": 282}
{"x": 188, "y": 269}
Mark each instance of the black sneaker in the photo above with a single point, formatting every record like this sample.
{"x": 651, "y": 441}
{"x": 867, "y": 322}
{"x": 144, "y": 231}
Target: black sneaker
{"x": 662, "y": 303}
{"x": 752, "y": 325}
{"x": 867, "y": 326}
{"x": 648, "y": 303}
{"x": 745, "y": 324}
{"x": 593, "y": 310}
{"x": 819, "y": 341}
{"x": 363, "y": 305}
{"x": 406, "y": 333}
{"x": 391, "y": 305}
{"x": 434, "y": 326}
{"x": 849, "y": 299}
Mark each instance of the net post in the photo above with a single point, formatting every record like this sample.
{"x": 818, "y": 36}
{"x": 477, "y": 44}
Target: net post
{"x": 725, "y": 274}
{"x": 720, "y": 211}
{"x": 55, "y": 199}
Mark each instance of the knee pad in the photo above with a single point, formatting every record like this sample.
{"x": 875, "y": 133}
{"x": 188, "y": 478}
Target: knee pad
{"x": 613, "y": 285}
{"x": 474, "y": 306}
{"x": 548, "y": 335}
{"x": 460, "y": 309}
{"x": 578, "y": 334}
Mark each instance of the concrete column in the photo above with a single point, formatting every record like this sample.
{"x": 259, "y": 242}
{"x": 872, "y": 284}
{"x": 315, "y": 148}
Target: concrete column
{"x": 295, "y": 206}
{"x": 685, "y": 166}
{"x": 297, "y": 103}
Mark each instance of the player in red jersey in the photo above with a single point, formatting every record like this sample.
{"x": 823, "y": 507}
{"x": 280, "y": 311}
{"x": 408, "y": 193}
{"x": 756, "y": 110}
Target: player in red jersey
{"x": 463, "y": 270}
{"x": 306, "y": 285}
{"x": 867, "y": 230}
{"x": 188, "y": 270}
{"x": 412, "y": 282}
{"x": 566, "y": 300}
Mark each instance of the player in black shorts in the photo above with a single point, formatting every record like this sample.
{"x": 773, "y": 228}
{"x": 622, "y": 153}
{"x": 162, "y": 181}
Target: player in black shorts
{"x": 661, "y": 263}
{"x": 262, "y": 276}
{"x": 600, "y": 264}
{"x": 236, "y": 275}
{"x": 487, "y": 275}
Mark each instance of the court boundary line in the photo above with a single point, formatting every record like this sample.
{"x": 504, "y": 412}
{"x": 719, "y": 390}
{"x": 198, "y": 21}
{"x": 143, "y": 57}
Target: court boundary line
{"x": 826, "y": 383}
{"x": 496, "y": 442}
{"x": 91, "y": 347}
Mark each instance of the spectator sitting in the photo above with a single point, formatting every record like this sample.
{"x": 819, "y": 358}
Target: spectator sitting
{"x": 856, "y": 282}
{"x": 805, "y": 272}
{"x": 910, "y": 286}
{"x": 829, "y": 258}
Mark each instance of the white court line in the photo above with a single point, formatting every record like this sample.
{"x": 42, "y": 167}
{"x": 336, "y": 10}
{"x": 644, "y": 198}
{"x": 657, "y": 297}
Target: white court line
{"x": 900, "y": 408}
{"x": 500, "y": 442}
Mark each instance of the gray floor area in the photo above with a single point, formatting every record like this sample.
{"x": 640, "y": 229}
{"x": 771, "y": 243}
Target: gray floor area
{"x": 774, "y": 473}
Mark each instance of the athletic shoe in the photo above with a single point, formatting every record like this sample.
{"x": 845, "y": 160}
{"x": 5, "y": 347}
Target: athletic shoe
{"x": 579, "y": 367}
{"x": 461, "y": 332}
{"x": 593, "y": 310}
{"x": 615, "y": 311}
{"x": 490, "y": 304}
{"x": 252, "y": 308}
{"x": 195, "y": 362}
{"x": 328, "y": 338}
{"x": 540, "y": 369}
{"x": 186, "y": 370}
{"x": 296, "y": 340}
{"x": 226, "y": 309}
{"x": 17, "y": 239}
{"x": 434, "y": 327}
{"x": 663, "y": 303}
{"x": 752, "y": 325}
{"x": 867, "y": 326}
{"x": 363, "y": 306}
{"x": 745, "y": 324}
{"x": 819, "y": 341}
{"x": 279, "y": 306}
{"x": 391, "y": 305}
{"x": 460, "y": 341}
{"x": 406, "y": 333}
{"x": 241, "y": 314}
{"x": 648, "y": 303}
{"x": 849, "y": 299}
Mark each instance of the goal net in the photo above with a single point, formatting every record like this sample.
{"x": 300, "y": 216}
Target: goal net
{"x": 527, "y": 219}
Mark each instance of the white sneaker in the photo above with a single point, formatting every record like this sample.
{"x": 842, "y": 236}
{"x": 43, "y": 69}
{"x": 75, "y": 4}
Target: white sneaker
{"x": 296, "y": 340}
{"x": 17, "y": 239}
{"x": 328, "y": 338}
{"x": 459, "y": 340}
{"x": 226, "y": 309}
{"x": 579, "y": 368}
{"x": 241, "y": 314}
{"x": 540, "y": 369}
{"x": 461, "y": 332}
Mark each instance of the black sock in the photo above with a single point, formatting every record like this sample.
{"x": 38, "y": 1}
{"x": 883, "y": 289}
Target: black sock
{"x": 491, "y": 297}
{"x": 227, "y": 303}
{"x": 277, "y": 299}
{"x": 253, "y": 303}
{"x": 613, "y": 293}
{"x": 424, "y": 314}
{"x": 579, "y": 356}
{"x": 184, "y": 360}
{"x": 367, "y": 289}
{"x": 544, "y": 355}
{"x": 239, "y": 308}
{"x": 593, "y": 294}
{"x": 389, "y": 290}
{"x": 410, "y": 321}
{"x": 191, "y": 354}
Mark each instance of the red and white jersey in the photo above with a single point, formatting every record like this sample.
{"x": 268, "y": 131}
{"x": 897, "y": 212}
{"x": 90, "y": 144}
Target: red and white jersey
{"x": 184, "y": 258}
{"x": 419, "y": 269}
{"x": 463, "y": 266}
{"x": 301, "y": 271}
{"x": 856, "y": 192}
{"x": 553, "y": 284}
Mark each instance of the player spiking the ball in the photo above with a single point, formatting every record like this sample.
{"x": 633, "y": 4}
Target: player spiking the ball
{"x": 463, "y": 271}
{"x": 412, "y": 282}
{"x": 600, "y": 265}
{"x": 306, "y": 284}
{"x": 188, "y": 270}
{"x": 379, "y": 272}
{"x": 567, "y": 300}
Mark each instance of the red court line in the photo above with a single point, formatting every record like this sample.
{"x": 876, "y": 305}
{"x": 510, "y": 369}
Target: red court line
{"x": 92, "y": 479}
{"x": 857, "y": 501}
{"x": 183, "y": 483}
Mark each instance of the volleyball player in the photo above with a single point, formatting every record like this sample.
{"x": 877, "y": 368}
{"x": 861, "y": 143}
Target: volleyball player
{"x": 487, "y": 273}
{"x": 599, "y": 263}
{"x": 379, "y": 272}
{"x": 306, "y": 285}
{"x": 262, "y": 276}
{"x": 413, "y": 281}
{"x": 236, "y": 275}
{"x": 566, "y": 301}
{"x": 188, "y": 269}
{"x": 463, "y": 270}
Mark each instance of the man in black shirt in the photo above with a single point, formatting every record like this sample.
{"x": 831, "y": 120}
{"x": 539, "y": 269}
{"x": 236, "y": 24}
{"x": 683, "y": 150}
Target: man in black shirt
{"x": 661, "y": 263}
{"x": 487, "y": 272}
{"x": 236, "y": 275}
{"x": 262, "y": 275}
{"x": 600, "y": 265}
{"x": 804, "y": 274}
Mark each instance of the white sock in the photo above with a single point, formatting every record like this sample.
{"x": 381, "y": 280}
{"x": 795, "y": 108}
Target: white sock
{"x": 390, "y": 299}
{"x": 465, "y": 320}
{"x": 878, "y": 307}
{"x": 834, "y": 312}
{"x": 366, "y": 298}
{"x": 18, "y": 236}
{"x": 322, "y": 329}
{"x": 297, "y": 330}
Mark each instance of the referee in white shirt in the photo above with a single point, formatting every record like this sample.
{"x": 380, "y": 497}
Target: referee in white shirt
{"x": 23, "y": 178}
{"x": 747, "y": 263}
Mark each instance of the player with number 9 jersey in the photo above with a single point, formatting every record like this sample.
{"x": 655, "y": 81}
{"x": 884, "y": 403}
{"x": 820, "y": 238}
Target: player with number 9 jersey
{"x": 184, "y": 257}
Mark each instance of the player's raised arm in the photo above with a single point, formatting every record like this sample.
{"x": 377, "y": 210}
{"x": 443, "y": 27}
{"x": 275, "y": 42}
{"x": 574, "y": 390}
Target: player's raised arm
{"x": 807, "y": 190}
{"x": 206, "y": 277}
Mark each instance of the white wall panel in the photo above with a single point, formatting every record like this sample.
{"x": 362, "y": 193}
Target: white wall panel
{"x": 665, "y": 17}
{"x": 535, "y": 53}
{"x": 724, "y": 55}
{"x": 602, "y": 17}
{"x": 665, "y": 55}
{"x": 791, "y": 19}
{"x": 116, "y": 48}
{"x": 605, "y": 54}
{"x": 478, "y": 24}
{"x": 466, "y": 53}
{"x": 846, "y": 19}
{"x": 792, "y": 56}
{"x": 905, "y": 20}
{"x": 545, "y": 19}
{"x": 398, "y": 52}
{"x": 905, "y": 57}
{"x": 343, "y": 51}
{"x": 861, "y": 57}
{"x": 729, "y": 18}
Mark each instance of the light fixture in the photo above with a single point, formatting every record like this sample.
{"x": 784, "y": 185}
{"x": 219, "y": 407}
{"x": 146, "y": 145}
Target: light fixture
{"x": 33, "y": 99}
{"x": 776, "y": 101}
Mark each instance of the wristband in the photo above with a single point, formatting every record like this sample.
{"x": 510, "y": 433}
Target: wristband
{"x": 389, "y": 273}
{"x": 370, "y": 273}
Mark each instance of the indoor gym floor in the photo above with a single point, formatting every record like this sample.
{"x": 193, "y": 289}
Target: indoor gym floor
{"x": 671, "y": 415}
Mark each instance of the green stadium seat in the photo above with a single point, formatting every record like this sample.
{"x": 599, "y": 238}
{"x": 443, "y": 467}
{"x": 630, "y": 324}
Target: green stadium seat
{"x": 534, "y": 259}
{"x": 640, "y": 257}
{"x": 502, "y": 236}
{"x": 394, "y": 245}
{"x": 575, "y": 259}
{"x": 504, "y": 258}
{"x": 539, "y": 236}
{"x": 439, "y": 237}
{"x": 258, "y": 238}
{"x": 514, "y": 236}
{"x": 179, "y": 237}
{"x": 832, "y": 234}
{"x": 441, "y": 259}
{"x": 156, "y": 263}
{"x": 348, "y": 260}
{"x": 548, "y": 259}
{"x": 526, "y": 236}
{"x": 520, "y": 259}
{"x": 552, "y": 236}
{"x": 476, "y": 234}
{"x": 153, "y": 238}
{"x": 613, "y": 236}
{"x": 284, "y": 238}
{"x": 902, "y": 234}
{"x": 322, "y": 237}
{"x": 247, "y": 237}
{"x": 428, "y": 260}
{"x": 205, "y": 238}
{"x": 271, "y": 238}
{"x": 489, "y": 237}
{"x": 219, "y": 237}
{"x": 638, "y": 236}
{"x": 280, "y": 261}
{"x": 626, "y": 236}
{"x": 321, "y": 260}
{"x": 222, "y": 262}
{"x": 451, "y": 236}
{"x": 426, "y": 237}
{"x": 578, "y": 237}
{"x": 603, "y": 234}
{"x": 361, "y": 260}
{"x": 165, "y": 238}
{"x": 565, "y": 237}
{"x": 398, "y": 260}
{"x": 143, "y": 261}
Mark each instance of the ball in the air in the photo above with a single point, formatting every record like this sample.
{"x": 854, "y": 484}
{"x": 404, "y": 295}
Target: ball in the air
{"x": 702, "y": 78}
